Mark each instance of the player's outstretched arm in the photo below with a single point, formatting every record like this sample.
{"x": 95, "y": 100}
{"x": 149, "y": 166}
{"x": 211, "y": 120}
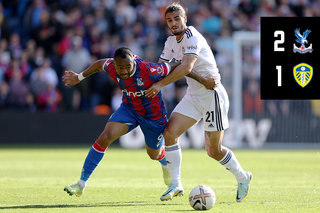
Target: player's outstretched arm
{"x": 71, "y": 78}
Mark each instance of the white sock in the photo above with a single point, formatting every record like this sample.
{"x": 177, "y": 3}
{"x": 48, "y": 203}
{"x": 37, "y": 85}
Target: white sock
{"x": 230, "y": 162}
{"x": 83, "y": 184}
{"x": 174, "y": 158}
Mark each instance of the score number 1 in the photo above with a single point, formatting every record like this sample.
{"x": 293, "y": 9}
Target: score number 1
{"x": 279, "y": 49}
{"x": 279, "y": 75}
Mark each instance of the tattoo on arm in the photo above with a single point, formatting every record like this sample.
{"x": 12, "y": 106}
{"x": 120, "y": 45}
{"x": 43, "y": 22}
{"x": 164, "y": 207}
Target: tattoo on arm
{"x": 207, "y": 134}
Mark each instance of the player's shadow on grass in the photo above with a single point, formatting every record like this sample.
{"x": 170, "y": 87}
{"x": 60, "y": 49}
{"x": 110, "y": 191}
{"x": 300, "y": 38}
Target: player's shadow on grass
{"x": 110, "y": 204}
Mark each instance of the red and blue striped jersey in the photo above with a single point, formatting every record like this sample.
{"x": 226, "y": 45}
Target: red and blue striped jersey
{"x": 142, "y": 77}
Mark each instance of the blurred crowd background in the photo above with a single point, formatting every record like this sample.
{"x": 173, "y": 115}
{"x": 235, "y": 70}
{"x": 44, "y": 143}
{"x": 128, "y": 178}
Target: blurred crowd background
{"x": 40, "y": 39}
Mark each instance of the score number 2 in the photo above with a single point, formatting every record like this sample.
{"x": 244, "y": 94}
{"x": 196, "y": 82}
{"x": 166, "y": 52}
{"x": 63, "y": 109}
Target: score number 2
{"x": 279, "y": 49}
{"x": 280, "y": 41}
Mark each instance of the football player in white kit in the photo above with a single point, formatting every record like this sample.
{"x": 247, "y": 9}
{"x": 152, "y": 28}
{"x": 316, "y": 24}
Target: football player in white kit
{"x": 189, "y": 46}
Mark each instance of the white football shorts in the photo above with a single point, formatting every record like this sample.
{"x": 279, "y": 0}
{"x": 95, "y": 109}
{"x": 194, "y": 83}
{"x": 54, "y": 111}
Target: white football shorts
{"x": 212, "y": 107}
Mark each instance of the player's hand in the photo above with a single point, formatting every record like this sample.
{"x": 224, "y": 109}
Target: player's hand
{"x": 153, "y": 90}
{"x": 210, "y": 83}
{"x": 70, "y": 78}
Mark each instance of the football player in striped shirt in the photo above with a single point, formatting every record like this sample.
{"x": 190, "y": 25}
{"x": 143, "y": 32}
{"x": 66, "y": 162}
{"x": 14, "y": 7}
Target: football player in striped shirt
{"x": 133, "y": 76}
{"x": 190, "y": 47}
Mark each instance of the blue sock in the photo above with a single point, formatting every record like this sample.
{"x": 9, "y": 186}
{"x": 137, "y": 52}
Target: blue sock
{"x": 94, "y": 157}
{"x": 163, "y": 161}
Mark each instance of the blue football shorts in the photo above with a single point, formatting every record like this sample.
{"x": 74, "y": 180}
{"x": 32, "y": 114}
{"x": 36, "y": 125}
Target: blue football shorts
{"x": 152, "y": 129}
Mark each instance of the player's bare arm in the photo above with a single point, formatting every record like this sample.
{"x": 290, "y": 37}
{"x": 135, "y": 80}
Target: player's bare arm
{"x": 208, "y": 82}
{"x": 155, "y": 89}
{"x": 71, "y": 78}
{"x": 173, "y": 64}
{"x": 182, "y": 70}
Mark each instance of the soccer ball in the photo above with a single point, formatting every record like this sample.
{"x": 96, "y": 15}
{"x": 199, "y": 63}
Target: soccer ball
{"x": 202, "y": 197}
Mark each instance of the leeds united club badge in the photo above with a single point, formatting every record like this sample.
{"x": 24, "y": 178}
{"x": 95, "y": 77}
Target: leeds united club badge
{"x": 303, "y": 73}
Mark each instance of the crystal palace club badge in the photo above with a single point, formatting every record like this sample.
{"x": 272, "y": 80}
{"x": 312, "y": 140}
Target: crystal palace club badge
{"x": 302, "y": 39}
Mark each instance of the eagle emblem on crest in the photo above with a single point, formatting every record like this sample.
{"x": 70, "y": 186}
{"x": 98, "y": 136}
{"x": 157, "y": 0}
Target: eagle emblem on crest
{"x": 302, "y": 39}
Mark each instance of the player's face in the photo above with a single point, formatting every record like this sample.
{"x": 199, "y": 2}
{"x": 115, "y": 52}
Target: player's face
{"x": 124, "y": 67}
{"x": 176, "y": 22}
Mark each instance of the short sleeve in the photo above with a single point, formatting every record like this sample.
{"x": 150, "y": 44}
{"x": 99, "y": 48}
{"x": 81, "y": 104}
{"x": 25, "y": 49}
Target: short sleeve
{"x": 193, "y": 45}
{"x": 158, "y": 71}
{"x": 107, "y": 63}
{"x": 166, "y": 54}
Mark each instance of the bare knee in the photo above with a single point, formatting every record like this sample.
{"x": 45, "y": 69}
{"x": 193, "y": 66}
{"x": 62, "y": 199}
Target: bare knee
{"x": 170, "y": 137}
{"x": 105, "y": 139}
{"x": 167, "y": 134}
{"x": 154, "y": 154}
{"x": 213, "y": 145}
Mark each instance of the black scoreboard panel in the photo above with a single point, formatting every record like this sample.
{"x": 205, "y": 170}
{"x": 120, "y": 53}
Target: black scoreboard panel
{"x": 290, "y": 58}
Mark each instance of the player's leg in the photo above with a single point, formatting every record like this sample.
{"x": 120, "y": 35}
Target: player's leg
{"x": 227, "y": 158}
{"x": 177, "y": 125}
{"x": 112, "y": 131}
{"x": 153, "y": 133}
{"x": 159, "y": 155}
{"x": 121, "y": 122}
{"x": 215, "y": 118}
{"x": 223, "y": 155}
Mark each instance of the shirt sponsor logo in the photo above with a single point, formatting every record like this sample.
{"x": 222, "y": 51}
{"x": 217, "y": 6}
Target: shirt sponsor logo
{"x": 134, "y": 94}
{"x": 192, "y": 47}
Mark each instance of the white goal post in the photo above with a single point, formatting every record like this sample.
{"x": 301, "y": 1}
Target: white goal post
{"x": 239, "y": 38}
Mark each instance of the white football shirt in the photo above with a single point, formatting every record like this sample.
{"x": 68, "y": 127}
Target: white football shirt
{"x": 192, "y": 43}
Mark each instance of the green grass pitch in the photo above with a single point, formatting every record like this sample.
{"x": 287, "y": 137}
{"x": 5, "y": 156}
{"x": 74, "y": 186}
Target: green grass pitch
{"x": 32, "y": 180}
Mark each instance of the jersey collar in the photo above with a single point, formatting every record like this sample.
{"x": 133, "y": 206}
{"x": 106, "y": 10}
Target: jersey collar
{"x": 134, "y": 69}
{"x": 178, "y": 41}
